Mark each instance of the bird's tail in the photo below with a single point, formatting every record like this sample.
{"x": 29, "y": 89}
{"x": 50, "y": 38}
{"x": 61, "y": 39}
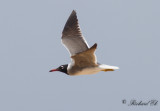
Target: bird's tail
{"x": 108, "y": 67}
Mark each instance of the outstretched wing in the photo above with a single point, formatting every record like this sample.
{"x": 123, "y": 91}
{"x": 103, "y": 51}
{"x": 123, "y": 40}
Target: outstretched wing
{"x": 72, "y": 37}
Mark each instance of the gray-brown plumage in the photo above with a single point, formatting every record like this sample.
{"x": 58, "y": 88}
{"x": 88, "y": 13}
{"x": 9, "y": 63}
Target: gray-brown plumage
{"x": 86, "y": 58}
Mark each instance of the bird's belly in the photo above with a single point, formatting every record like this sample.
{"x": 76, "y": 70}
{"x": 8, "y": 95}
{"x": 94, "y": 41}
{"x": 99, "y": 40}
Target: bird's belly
{"x": 87, "y": 71}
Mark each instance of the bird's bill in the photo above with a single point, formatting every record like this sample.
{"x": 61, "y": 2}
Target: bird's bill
{"x": 53, "y": 70}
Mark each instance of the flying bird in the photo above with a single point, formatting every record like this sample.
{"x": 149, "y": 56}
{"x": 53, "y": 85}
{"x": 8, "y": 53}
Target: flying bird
{"x": 83, "y": 58}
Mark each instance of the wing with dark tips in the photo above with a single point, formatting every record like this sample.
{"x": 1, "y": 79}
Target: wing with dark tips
{"x": 72, "y": 37}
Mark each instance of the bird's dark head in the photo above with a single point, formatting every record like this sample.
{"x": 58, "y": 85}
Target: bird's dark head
{"x": 62, "y": 68}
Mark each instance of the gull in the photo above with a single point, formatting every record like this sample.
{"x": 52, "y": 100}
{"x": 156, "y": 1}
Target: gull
{"x": 83, "y": 58}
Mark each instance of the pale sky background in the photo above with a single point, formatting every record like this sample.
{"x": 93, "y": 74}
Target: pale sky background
{"x": 128, "y": 36}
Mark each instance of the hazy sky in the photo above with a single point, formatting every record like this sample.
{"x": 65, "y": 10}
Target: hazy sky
{"x": 127, "y": 33}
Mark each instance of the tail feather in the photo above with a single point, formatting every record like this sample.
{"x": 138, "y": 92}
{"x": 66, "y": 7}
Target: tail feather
{"x": 103, "y": 66}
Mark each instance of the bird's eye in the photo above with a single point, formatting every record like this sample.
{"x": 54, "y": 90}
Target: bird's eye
{"x": 61, "y": 67}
